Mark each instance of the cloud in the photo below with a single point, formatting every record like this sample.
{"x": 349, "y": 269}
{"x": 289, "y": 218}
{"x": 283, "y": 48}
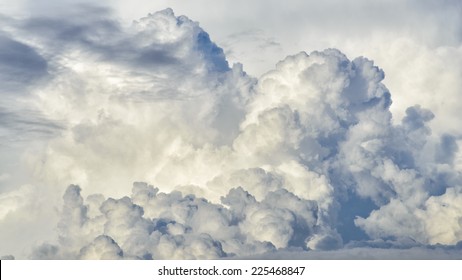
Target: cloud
{"x": 234, "y": 166}
{"x": 8, "y": 257}
{"x": 22, "y": 68}
{"x": 103, "y": 248}
{"x": 20, "y": 65}
{"x": 417, "y": 253}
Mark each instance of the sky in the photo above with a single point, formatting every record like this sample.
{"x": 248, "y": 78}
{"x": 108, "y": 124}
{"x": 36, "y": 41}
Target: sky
{"x": 203, "y": 129}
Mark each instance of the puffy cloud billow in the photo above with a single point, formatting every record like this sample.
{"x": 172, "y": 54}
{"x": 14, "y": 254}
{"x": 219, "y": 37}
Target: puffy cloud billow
{"x": 304, "y": 159}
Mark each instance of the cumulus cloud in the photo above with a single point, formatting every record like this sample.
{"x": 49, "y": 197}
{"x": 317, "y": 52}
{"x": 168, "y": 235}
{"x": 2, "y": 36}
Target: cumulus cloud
{"x": 226, "y": 165}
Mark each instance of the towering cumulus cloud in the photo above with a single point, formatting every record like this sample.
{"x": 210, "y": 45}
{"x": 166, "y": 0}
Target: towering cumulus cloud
{"x": 305, "y": 158}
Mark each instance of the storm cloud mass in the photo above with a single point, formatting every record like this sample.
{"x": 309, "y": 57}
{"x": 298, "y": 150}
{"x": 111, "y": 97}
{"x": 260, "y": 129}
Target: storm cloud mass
{"x": 142, "y": 141}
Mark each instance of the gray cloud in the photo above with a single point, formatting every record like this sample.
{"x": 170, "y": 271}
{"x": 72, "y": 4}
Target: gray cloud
{"x": 22, "y": 125}
{"x": 20, "y": 65}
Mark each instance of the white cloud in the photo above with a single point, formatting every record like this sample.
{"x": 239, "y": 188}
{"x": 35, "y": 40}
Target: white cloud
{"x": 102, "y": 248}
{"x": 241, "y": 166}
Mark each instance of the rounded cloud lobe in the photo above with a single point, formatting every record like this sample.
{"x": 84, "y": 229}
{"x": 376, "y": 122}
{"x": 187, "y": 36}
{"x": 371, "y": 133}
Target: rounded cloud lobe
{"x": 234, "y": 166}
